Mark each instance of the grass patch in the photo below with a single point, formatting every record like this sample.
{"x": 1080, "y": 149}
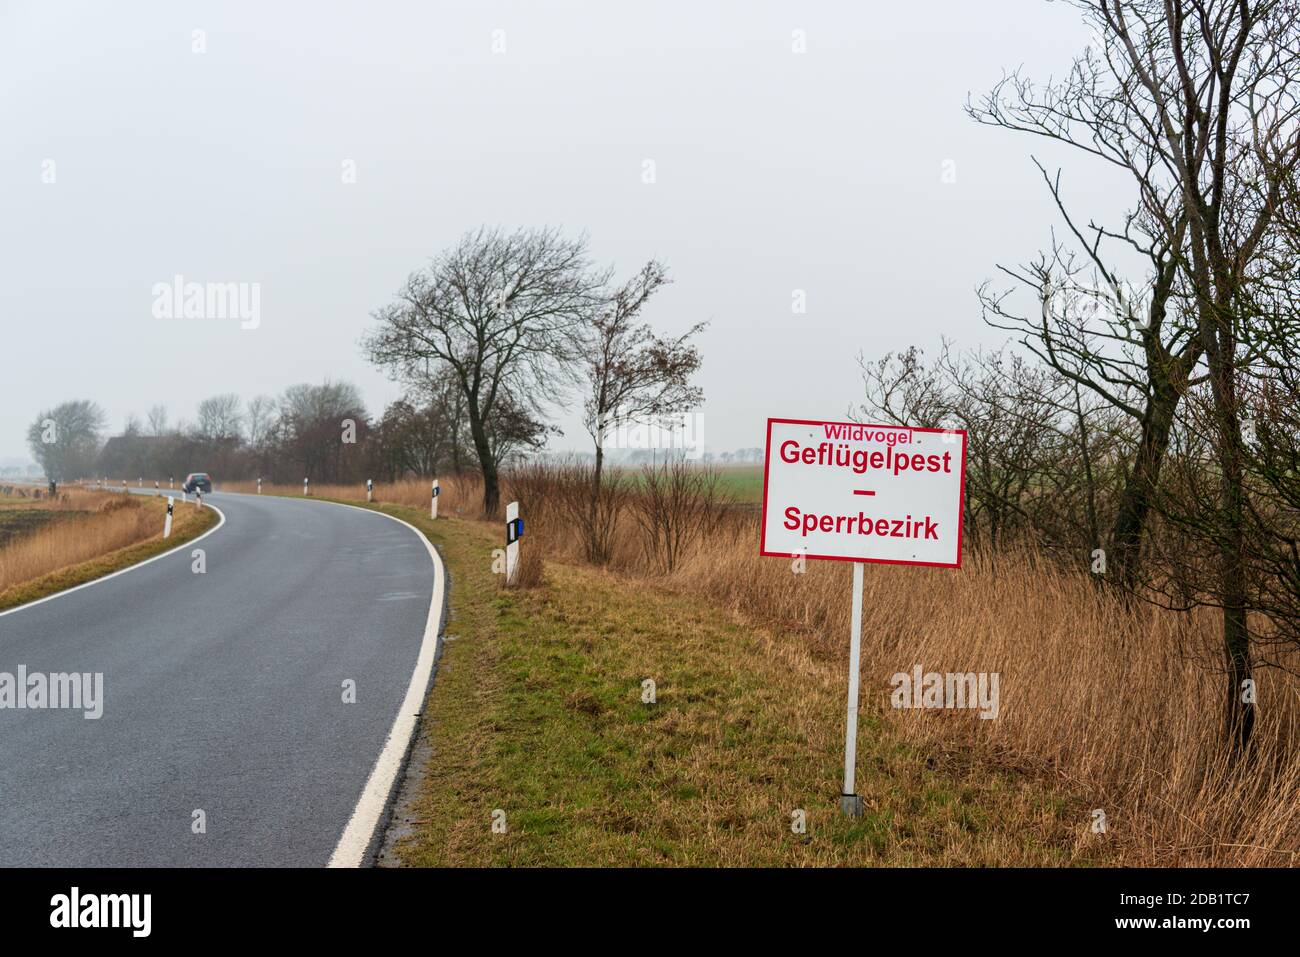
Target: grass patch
{"x": 537, "y": 712}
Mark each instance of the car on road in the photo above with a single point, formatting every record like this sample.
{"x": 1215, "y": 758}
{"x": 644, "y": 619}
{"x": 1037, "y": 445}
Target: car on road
{"x": 198, "y": 480}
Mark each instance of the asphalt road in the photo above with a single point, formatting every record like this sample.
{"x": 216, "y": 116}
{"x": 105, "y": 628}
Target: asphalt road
{"x": 223, "y": 693}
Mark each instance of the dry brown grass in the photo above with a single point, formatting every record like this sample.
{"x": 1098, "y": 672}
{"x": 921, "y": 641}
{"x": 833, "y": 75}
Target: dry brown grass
{"x": 106, "y": 522}
{"x": 531, "y": 572}
{"x": 1120, "y": 707}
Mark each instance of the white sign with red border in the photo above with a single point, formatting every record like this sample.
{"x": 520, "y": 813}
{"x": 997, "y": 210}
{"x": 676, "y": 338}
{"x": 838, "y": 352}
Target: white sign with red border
{"x": 853, "y": 492}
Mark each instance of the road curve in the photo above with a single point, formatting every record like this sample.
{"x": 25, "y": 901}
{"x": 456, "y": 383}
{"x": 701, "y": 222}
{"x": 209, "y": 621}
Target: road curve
{"x": 223, "y": 693}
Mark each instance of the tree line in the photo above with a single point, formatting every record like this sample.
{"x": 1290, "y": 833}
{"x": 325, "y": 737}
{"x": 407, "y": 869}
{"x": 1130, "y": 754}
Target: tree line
{"x": 486, "y": 340}
{"x": 319, "y": 430}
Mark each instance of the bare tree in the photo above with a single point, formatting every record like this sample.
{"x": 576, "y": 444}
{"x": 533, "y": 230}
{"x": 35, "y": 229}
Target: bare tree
{"x": 1130, "y": 344}
{"x": 631, "y": 375}
{"x": 1133, "y": 348}
{"x": 1271, "y": 398}
{"x": 65, "y": 439}
{"x": 1217, "y": 82}
{"x": 220, "y": 417}
{"x": 502, "y": 310}
{"x": 259, "y": 420}
{"x": 1030, "y": 441}
{"x": 410, "y": 441}
{"x": 442, "y": 397}
{"x": 157, "y": 420}
{"x": 311, "y": 429}
{"x": 1268, "y": 390}
{"x": 516, "y": 429}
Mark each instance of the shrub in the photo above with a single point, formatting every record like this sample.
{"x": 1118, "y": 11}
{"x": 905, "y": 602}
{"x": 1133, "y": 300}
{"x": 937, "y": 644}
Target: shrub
{"x": 676, "y": 505}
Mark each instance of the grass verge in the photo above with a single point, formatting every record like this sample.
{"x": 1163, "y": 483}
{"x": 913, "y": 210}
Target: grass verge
{"x": 537, "y": 719}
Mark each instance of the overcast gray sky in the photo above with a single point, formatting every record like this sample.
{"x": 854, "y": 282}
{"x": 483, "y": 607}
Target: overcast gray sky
{"x": 775, "y": 171}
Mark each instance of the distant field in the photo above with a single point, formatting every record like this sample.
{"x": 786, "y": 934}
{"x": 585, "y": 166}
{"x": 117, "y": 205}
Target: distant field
{"x": 743, "y": 482}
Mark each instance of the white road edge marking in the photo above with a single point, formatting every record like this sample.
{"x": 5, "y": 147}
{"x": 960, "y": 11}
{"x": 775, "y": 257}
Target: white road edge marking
{"x": 121, "y": 571}
{"x": 360, "y": 831}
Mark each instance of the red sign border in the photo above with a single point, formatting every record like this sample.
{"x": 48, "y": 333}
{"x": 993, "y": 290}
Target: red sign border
{"x": 767, "y": 460}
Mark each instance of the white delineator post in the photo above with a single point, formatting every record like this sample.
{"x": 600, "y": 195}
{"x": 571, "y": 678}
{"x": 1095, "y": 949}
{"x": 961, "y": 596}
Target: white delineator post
{"x": 167, "y": 525}
{"x": 512, "y": 541}
{"x": 433, "y": 507}
{"x": 304, "y": 487}
{"x": 259, "y": 486}
{"x": 156, "y": 491}
{"x": 850, "y": 800}
{"x": 370, "y": 489}
{"x": 171, "y": 483}
{"x": 198, "y": 496}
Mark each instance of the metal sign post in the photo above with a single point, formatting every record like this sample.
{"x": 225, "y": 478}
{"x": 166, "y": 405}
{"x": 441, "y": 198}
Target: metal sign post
{"x": 850, "y": 799}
